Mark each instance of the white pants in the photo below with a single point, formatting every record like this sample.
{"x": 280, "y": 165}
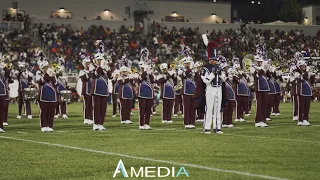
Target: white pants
{"x": 213, "y": 107}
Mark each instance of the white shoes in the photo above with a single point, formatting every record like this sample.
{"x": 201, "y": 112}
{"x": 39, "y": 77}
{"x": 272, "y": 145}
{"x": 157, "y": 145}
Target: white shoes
{"x": 300, "y": 123}
{"x": 64, "y": 116}
{"x": 268, "y": 119}
{"x": 154, "y": 112}
{"x": 295, "y": 118}
{"x": 95, "y": 127}
{"x": 191, "y": 126}
{"x": 201, "y": 120}
{"x": 18, "y": 117}
{"x": 44, "y": 129}
{"x": 277, "y": 114}
{"x": 1, "y": 130}
{"x": 5, "y": 124}
{"x": 147, "y": 127}
{"x": 257, "y": 125}
{"x": 87, "y": 121}
{"x": 29, "y": 116}
{"x": 126, "y": 122}
{"x": 237, "y": 120}
{"x": 230, "y": 126}
{"x": 101, "y": 128}
{"x": 164, "y": 121}
{"x": 305, "y": 123}
{"x": 207, "y": 131}
{"x": 49, "y": 129}
{"x": 262, "y": 124}
{"x": 224, "y": 126}
{"x": 247, "y": 115}
{"x": 273, "y": 114}
{"x": 219, "y": 132}
{"x": 141, "y": 127}
{"x": 114, "y": 116}
{"x": 175, "y": 115}
{"x": 56, "y": 116}
{"x": 242, "y": 120}
{"x": 170, "y": 121}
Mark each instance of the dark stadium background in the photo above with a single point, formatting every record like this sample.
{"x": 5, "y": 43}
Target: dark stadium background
{"x": 265, "y": 12}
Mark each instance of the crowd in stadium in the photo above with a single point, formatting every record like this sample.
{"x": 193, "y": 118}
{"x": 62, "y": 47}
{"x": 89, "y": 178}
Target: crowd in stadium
{"x": 165, "y": 44}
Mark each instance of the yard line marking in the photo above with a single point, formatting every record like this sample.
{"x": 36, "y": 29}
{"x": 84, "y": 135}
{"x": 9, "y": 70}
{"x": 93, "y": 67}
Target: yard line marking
{"x": 22, "y": 132}
{"x": 148, "y": 159}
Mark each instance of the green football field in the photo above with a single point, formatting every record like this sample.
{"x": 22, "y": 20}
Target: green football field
{"x": 74, "y": 151}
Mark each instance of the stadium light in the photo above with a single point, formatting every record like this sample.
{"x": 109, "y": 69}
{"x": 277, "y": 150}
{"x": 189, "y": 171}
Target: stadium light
{"x": 213, "y": 14}
{"x": 259, "y": 2}
{"x": 62, "y": 9}
{"x": 214, "y": 1}
{"x": 174, "y": 14}
{"x": 252, "y": 2}
{"x": 106, "y": 10}
{"x": 305, "y": 18}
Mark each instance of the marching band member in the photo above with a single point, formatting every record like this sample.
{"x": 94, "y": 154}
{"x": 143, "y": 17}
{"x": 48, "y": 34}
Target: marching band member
{"x": 188, "y": 90}
{"x": 242, "y": 95}
{"x": 61, "y": 108}
{"x": 305, "y": 80}
{"x": 115, "y": 90}
{"x": 47, "y": 96}
{"x": 261, "y": 91}
{"x": 271, "y": 93}
{"x": 293, "y": 91}
{"x": 4, "y": 95}
{"x": 100, "y": 92}
{"x": 178, "y": 107}
{"x": 228, "y": 109}
{"x": 25, "y": 79}
{"x": 278, "y": 79}
{"x": 212, "y": 78}
{"x": 166, "y": 80}
{"x": 145, "y": 97}
{"x": 86, "y": 77}
{"x": 199, "y": 111}
{"x": 125, "y": 95}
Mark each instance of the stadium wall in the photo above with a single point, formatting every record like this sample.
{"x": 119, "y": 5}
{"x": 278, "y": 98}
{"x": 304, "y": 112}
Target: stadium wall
{"x": 192, "y": 11}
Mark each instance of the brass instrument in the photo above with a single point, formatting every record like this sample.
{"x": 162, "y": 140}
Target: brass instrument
{"x": 248, "y": 62}
{"x": 133, "y": 70}
{"x": 8, "y": 65}
{"x": 173, "y": 65}
{"x": 179, "y": 85}
{"x": 55, "y": 67}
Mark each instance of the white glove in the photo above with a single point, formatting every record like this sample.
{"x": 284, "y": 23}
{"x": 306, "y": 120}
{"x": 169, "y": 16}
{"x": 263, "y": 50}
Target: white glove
{"x": 296, "y": 75}
{"x": 211, "y": 76}
{"x": 50, "y": 72}
{"x": 180, "y": 72}
{"x": 171, "y": 73}
{"x": 252, "y": 70}
{"x": 223, "y": 77}
{"x": 91, "y": 68}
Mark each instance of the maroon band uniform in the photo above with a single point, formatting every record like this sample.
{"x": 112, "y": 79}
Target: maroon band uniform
{"x": 145, "y": 97}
